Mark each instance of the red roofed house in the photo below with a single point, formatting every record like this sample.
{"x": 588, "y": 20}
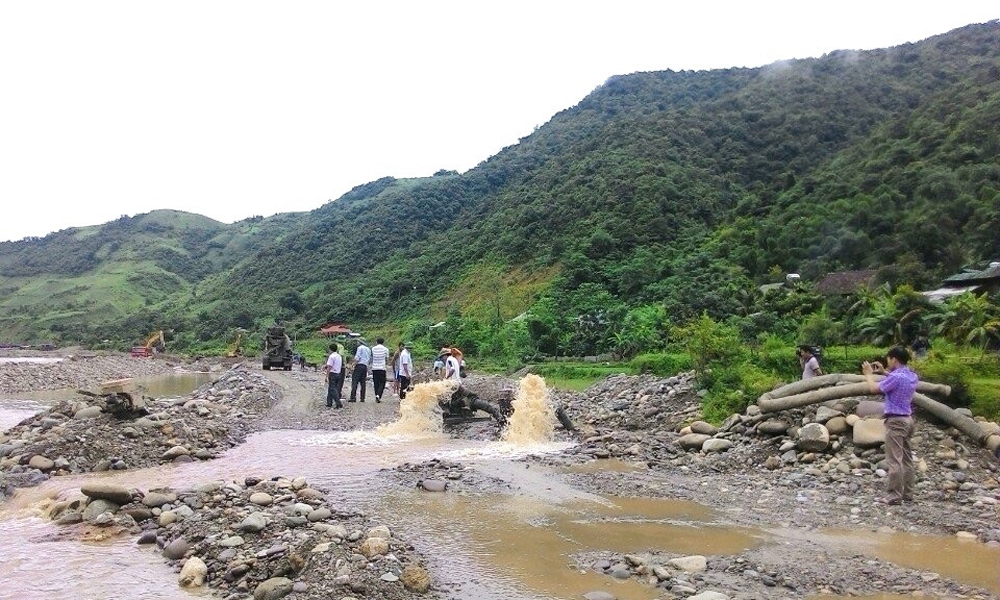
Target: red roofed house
{"x": 335, "y": 329}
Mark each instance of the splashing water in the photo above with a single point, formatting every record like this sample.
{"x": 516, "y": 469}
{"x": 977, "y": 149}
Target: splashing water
{"x": 534, "y": 418}
{"x": 419, "y": 413}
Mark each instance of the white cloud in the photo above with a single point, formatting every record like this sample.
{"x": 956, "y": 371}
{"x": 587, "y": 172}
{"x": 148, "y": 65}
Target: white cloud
{"x": 231, "y": 109}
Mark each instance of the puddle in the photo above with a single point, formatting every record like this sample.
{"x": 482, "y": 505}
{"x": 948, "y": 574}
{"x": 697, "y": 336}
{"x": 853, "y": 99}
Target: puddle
{"x": 520, "y": 547}
{"x": 966, "y": 561}
{"x": 610, "y": 465}
{"x": 174, "y": 384}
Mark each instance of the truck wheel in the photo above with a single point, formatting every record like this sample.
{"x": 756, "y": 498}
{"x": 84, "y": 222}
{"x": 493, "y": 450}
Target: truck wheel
{"x": 267, "y": 367}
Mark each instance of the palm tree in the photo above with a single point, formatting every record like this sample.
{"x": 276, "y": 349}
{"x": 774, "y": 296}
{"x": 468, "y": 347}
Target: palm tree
{"x": 971, "y": 319}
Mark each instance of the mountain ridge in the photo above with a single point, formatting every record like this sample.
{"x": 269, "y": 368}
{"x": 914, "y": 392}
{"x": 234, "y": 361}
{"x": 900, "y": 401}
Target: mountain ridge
{"x": 661, "y": 187}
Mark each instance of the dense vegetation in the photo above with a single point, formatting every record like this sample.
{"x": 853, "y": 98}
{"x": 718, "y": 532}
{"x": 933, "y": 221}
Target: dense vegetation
{"x": 654, "y": 207}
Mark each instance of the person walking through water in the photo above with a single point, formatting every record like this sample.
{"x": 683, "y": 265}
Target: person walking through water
{"x": 899, "y": 385}
{"x": 334, "y": 369}
{"x": 808, "y": 362}
{"x": 380, "y": 360}
{"x": 405, "y": 371}
{"x": 362, "y": 360}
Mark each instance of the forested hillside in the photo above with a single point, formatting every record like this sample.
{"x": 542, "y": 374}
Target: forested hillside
{"x": 661, "y": 194}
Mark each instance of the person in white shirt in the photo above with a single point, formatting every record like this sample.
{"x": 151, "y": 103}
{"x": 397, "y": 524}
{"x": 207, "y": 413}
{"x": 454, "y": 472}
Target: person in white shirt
{"x": 380, "y": 360}
{"x": 809, "y": 363}
{"x": 362, "y": 361}
{"x": 452, "y": 368}
{"x": 405, "y": 371}
{"x": 334, "y": 369}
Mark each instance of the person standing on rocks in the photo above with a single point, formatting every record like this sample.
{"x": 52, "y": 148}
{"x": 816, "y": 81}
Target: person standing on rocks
{"x": 362, "y": 361}
{"x": 334, "y": 369}
{"x": 898, "y": 387}
{"x": 808, "y": 362}
{"x": 380, "y": 361}
{"x": 405, "y": 371}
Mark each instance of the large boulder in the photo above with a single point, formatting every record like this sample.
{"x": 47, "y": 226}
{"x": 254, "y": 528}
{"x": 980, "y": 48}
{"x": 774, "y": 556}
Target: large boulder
{"x": 691, "y": 564}
{"x": 837, "y": 425}
{"x": 374, "y": 546}
{"x": 273, "y": 589}
{"x": 825, "y": 413}
{"x": 693, "y": 441}
{"x": 106, "y": 491}
{"x": 773, "y": 427}
{"x": 716, "y": 445}
{"x": 870, "y": 408}
{"x": 703, "y": 427}
{"x": 415, "y": 579}
{"x": 813, "y": 437}
{"x": 869, "y": 433}
{"x": 193, "y": 572}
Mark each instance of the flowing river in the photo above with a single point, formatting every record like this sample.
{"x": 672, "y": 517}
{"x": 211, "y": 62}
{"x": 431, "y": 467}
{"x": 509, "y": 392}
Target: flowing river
{"x": 488, "y": 548}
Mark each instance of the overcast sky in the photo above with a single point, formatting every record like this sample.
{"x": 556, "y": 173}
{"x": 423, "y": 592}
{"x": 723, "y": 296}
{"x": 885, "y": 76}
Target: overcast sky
{"x": 238, "y": 108}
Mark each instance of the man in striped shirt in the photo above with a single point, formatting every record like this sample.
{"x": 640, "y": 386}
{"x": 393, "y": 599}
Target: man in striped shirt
{"x": 380, "y": 357}
{"x": 362, "y": 360}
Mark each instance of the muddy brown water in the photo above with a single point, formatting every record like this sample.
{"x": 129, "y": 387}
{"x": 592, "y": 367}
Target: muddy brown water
{"x": 484, "y": 547}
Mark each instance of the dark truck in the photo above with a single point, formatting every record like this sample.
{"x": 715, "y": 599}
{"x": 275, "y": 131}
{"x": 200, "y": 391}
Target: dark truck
{"x": 277, "y": 349}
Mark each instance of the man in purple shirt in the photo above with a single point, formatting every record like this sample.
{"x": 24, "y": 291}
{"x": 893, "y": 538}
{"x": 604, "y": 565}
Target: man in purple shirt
{"x": 899, "y": 385}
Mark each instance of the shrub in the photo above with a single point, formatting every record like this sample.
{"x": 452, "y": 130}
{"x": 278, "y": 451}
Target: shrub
{"x": 984, "y": 398}
{"x": 661, "y": 364}
{"x": 733, "y": 388}
{"x": 949, "y": 370}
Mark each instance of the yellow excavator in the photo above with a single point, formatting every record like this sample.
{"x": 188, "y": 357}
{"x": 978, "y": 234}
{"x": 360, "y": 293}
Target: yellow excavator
{"x": 154, "y": 345}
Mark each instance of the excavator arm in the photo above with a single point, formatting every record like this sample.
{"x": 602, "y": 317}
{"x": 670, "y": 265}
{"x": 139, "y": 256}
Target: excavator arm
{"x": 155, "y": 342}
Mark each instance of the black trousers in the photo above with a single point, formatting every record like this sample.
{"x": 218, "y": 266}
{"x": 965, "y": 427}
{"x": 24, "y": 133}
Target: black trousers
{"x": 334, "y": 381}
{"x": 378, "y": 380}
{"x": 404, "y": 382}
{"x": 359, "y": 377}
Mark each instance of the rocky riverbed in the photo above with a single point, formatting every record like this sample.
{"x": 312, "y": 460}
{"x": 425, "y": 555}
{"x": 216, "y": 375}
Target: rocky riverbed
{"x": 777, "y": 472}
{"x": 264, "y": 538}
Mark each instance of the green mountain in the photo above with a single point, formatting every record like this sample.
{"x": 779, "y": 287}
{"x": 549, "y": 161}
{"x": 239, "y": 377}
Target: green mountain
{"x": 674, "y": 189}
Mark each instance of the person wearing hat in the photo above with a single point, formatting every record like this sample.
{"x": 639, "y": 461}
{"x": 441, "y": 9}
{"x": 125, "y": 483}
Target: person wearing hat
{"x": 452, "y": 368}
{"x": 405, "y": 370}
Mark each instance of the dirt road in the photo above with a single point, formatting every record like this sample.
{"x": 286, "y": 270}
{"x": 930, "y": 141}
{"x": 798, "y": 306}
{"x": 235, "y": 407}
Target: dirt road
{"x": 303, "y": 404}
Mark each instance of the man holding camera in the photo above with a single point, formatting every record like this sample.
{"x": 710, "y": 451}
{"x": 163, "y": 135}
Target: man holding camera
{"x": 899, "y": 385}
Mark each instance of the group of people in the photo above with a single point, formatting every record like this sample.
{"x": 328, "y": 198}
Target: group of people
{"x": 898, "y": 387}
{"x": 376, "y": 360}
